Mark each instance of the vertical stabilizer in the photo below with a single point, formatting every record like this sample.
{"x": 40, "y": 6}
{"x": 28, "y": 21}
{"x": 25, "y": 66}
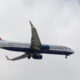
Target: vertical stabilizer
{"x": 0, "y": 38}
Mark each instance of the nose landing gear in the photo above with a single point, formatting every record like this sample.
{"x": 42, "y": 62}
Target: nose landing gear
{"x": 66, "y": 56}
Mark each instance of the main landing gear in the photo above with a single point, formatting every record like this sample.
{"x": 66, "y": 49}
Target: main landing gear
{"x": 29, "y": 56}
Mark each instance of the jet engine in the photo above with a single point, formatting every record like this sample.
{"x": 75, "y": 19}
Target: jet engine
{"x": 37, "y": 56}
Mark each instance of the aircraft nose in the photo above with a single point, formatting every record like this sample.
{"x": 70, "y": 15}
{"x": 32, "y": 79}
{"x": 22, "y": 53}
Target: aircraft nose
{"x": 72, "y": 52}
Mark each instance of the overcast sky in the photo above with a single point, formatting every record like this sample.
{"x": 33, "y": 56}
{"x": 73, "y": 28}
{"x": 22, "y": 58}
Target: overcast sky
{"x": 57, "y": 22}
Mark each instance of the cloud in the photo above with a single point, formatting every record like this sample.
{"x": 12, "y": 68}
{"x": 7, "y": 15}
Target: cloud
{"x": 57, "y": 22}
{"x": 2, "y": 7}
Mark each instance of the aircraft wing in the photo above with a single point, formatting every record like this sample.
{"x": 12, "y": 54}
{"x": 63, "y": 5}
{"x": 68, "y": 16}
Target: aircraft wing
{"x": 35, "y": 41}
{"x": 17, "y": 58}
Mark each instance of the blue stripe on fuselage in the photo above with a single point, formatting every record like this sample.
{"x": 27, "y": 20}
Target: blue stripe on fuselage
{"x": 16, "y": 49}
{"x": 44, "y": 49}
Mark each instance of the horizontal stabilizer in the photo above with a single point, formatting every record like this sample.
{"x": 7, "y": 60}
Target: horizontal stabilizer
{"x": 17, "y": 58}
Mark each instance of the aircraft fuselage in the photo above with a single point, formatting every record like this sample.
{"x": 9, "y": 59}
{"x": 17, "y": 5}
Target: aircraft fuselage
{"x": 45, "y": 49}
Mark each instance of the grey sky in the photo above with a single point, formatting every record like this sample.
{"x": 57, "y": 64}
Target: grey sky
{"x": 57, "y": 22}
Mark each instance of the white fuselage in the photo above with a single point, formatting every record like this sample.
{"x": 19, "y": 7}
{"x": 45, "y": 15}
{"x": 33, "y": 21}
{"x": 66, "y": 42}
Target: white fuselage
{"x": 23, "y": 47}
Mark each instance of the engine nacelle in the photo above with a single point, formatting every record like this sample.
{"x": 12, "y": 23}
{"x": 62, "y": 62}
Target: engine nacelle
{"x": 37, "y": 56}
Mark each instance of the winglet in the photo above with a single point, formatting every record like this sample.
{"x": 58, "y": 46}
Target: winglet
{"x": 7, "y": 58}
{"x": 31, "y": 24}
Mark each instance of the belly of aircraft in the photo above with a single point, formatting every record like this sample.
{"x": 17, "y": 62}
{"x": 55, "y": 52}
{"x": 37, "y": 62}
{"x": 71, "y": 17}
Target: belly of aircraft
{"x": 42, "y": 51}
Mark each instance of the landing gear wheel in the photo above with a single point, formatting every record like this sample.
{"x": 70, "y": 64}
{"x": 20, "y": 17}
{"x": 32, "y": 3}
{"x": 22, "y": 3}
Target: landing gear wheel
{"x": 29, "y": 56}
{"x": 66, "y": 56}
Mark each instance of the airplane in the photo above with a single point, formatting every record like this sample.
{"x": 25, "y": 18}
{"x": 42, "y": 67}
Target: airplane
{"x": 35, "y": 49}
